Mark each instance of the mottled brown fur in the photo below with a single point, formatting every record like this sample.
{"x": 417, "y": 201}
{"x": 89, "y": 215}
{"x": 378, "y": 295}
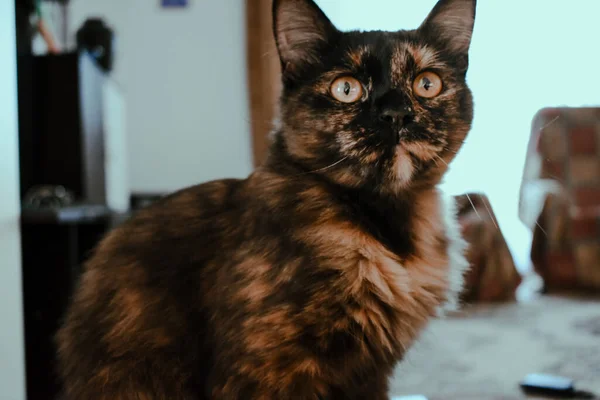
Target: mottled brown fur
{"x": 312, "y": 277}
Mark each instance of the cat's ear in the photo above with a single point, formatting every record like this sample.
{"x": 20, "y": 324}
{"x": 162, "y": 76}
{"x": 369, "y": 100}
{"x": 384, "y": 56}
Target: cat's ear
{"x": 302, "y": 31}
{"x": 452, "y": 21}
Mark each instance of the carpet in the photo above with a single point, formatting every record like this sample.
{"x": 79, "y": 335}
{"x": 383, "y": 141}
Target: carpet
{"x": 484, "y": 351}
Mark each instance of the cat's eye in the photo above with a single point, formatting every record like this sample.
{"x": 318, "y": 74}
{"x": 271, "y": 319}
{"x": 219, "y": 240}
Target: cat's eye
{"x": 346, "y": 89}
{"x": 428, "y": 85}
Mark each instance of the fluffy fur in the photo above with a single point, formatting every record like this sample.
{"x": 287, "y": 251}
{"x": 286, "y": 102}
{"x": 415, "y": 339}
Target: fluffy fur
{"x": 312, "y": 277}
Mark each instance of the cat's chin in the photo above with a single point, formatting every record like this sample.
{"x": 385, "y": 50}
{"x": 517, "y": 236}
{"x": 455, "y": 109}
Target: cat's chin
{"x": 403, "y": 165}
{"x": 422, "y": 150}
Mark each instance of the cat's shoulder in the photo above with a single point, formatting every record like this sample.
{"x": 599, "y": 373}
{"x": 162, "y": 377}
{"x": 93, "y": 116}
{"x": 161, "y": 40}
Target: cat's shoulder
{"x": 204, "y": 194}
{"x": 185, "y": 212}
{"x": 301, "y": 194}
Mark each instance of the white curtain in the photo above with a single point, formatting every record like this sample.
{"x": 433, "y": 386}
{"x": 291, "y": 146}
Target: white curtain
{"x": 525, "y": 55}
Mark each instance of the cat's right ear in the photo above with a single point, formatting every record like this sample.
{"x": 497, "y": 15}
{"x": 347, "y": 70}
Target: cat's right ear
{"x": 302, "y": 32}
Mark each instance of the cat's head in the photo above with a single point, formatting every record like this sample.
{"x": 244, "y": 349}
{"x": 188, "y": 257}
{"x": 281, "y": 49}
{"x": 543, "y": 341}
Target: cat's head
{"x": 389, "y": 109}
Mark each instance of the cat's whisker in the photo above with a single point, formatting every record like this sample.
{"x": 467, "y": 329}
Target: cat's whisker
{"x": 473, "y": 205}
{"x": 442, "y": 160}
{"x": 450, "y": 150}
{"x": 355, "y": 336}
{"x": 489, "y": 212}
{"x": 555, "y": 177}
{"x": 325, "y": 168}
{"x": 542, "y": 229}
{"x": 552, "y": 121}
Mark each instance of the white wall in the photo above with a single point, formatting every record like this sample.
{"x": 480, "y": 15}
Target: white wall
{"x": 12, "y": 369}
{"x": 183, "y": 73}
{"x": 525, "y": 55}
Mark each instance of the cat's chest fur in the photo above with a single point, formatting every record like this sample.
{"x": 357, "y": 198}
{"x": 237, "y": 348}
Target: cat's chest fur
{"x": 399, "y": 268}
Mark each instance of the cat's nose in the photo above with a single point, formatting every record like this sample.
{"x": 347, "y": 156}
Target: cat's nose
{"x": 397, "y": 116}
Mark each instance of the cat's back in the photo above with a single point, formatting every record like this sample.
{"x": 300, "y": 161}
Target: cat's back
{"x": 186, "y": 220}
{"x": 135, "y": 300}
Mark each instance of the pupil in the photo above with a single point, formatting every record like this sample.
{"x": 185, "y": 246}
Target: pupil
{"x": 347, "y": 88}
{"x": 426, "y": 83}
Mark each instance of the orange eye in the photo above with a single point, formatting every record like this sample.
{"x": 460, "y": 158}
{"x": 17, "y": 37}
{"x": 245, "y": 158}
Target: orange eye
{"x": 346, "y": 89}
{"x": 427, "y": 85}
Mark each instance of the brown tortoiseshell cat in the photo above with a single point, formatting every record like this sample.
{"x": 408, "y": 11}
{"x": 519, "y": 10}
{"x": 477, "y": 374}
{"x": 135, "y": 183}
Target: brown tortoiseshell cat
{"x": 312, "y": 277}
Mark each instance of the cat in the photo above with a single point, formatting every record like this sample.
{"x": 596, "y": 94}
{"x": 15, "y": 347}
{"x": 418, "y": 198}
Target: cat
{"x": 312, "y": 277}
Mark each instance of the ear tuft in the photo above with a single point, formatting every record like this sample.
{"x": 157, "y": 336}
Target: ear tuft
{"x": 301, "y": 31}
{"x": 453, "y": 22}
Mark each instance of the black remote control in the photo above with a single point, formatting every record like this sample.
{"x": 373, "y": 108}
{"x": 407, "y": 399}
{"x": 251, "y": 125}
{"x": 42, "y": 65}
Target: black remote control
{"x": 552, "y": 386}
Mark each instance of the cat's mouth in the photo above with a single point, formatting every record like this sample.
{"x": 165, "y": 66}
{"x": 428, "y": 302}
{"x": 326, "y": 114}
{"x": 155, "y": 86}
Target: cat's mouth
{"x": 401, "y": 134}
{"x": 420, "y": 149}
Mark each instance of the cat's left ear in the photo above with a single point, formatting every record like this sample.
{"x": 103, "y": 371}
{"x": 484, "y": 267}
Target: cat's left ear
{"x": 452, "y": 21}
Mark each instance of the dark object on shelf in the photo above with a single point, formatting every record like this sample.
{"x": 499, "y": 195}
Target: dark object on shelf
{"x": 61, "y": 132}
{"x": 97, "y": 38}
{"x": 47, "y": 196}
{"x": 55, "y": 243}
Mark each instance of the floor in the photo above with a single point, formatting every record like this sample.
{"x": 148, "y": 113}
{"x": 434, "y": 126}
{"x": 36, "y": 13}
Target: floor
{"x": 483, "y": 352}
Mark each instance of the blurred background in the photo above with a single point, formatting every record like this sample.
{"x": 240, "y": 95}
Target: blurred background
{"x": 108, "y": 104}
